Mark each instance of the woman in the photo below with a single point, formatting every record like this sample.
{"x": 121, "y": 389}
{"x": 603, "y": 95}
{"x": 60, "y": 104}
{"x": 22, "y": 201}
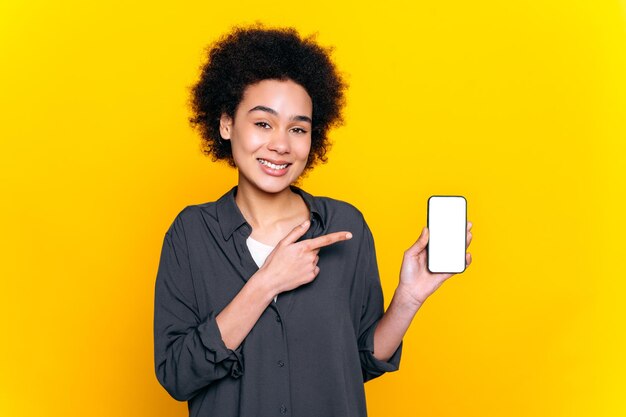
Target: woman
{"x": 268, "y": 300}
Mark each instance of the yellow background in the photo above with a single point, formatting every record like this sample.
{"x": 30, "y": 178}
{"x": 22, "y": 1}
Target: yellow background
{"x": 519, "y": 106}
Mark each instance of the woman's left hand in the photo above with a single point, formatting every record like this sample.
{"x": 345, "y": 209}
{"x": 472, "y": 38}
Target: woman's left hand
{"x": 416, "y": 281}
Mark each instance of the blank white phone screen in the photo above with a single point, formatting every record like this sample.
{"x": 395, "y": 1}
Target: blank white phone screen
{"x": 447, "y": 222}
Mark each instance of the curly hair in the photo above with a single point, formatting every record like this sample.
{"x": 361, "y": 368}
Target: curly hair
{"x": 248, "y": 55}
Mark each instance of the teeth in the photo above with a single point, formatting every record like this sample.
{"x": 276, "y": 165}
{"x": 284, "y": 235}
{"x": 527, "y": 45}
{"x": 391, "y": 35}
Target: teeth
{"x": 273, "y": 166}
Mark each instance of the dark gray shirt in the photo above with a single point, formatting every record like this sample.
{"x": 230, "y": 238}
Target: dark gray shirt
{"x": 307, "y": 355}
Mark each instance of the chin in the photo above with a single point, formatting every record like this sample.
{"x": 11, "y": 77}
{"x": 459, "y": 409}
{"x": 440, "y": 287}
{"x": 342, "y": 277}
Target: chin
{"x": 275, "y": 186}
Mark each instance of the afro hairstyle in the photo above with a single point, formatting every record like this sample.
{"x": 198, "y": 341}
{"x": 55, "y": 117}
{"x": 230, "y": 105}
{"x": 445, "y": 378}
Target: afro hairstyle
{"x": 247, "y": 55}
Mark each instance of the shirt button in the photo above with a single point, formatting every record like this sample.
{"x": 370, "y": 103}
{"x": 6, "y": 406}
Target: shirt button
{"x": 283, "y": 409}
{"x": 281, "y": 363}
{"x": 278, "y": 319}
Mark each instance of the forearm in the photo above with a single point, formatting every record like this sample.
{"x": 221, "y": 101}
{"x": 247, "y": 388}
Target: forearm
{"x": 241, "y": 314}
{"x": 393, "y": 325}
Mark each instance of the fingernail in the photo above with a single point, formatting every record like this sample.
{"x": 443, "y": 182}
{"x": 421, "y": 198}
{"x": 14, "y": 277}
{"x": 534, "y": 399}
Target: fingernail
{"x": 348, "y": 235}
{"x": 305, "y": 224}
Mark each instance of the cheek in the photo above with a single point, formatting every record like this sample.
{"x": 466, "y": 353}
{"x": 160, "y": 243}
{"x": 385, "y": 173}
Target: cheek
{"x": 246, "y": 142}
{"x": 304, "y": 148}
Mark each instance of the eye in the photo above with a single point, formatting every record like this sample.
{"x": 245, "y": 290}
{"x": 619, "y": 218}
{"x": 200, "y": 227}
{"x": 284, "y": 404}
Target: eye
{"x": 262, "y": 124}
{"x": 299, "y": 130}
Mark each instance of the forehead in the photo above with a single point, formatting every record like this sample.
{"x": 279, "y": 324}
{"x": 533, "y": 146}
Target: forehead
{"x": 283, "y": 96}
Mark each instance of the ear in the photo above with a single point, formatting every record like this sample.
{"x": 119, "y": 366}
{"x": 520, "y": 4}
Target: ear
{"x": 226, "y": 126}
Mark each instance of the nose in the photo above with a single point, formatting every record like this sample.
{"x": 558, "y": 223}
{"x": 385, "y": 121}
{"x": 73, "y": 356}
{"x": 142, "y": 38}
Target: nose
{"x": 279, "y": 142}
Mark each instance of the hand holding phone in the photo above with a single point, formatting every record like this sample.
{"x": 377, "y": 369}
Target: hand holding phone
{"x": 429, "y": 262}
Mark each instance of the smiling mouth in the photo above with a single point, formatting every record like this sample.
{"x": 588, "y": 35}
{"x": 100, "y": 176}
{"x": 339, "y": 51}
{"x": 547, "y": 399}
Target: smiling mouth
{"x": 271, "y": 165}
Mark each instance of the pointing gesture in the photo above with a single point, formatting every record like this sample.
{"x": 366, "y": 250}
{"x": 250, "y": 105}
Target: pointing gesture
{"x": 291, "y": 263}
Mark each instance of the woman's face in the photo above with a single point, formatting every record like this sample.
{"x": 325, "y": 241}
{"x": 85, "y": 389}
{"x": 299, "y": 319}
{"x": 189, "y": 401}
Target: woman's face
{"x": 271, "y": 129}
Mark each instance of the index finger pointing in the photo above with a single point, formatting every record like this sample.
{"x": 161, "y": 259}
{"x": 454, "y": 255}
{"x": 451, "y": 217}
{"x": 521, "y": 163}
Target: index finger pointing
{"x": 329, "y": 239}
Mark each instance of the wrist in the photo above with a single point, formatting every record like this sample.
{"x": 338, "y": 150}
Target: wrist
{"x": 262, "y": 285}
{"x": 405, "y": 299}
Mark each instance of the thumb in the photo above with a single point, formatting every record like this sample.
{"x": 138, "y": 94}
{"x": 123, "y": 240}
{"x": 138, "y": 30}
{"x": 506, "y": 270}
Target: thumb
{"x": 421, "y": 242}
{"x": 296, "y": 233}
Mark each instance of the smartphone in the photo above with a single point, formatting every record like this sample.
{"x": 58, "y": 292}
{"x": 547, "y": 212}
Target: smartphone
{"x": 447, "y": 224}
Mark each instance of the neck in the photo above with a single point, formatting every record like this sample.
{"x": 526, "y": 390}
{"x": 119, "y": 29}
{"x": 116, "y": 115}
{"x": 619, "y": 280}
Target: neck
{"x": 262, "y": 209}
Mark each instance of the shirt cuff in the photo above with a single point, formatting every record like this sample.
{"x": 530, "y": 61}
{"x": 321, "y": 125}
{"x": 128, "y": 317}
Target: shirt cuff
{"x": 373, "y": 365}
{"x": 216, "y": 350}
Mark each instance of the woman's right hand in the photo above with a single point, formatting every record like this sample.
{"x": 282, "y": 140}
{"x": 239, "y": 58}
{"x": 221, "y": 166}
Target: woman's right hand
{"x": 292, "y": 263}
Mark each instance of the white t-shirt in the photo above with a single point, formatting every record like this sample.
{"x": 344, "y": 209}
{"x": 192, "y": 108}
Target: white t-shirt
{"x": 260, "y": 252}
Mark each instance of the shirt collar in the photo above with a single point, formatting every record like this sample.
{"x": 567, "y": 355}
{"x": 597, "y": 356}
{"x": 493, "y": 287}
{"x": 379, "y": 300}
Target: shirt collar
{"x": 230, "y": 218}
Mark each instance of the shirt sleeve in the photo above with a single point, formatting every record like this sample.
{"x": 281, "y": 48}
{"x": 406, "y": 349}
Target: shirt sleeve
{"x": 372, "y": 310}
{"x": 189, "y": 352}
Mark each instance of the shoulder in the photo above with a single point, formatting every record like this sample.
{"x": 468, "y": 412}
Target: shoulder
{"x": 339, "y": 214}
{"x": 191, "y": 216}
{"x": 338, "y": 206}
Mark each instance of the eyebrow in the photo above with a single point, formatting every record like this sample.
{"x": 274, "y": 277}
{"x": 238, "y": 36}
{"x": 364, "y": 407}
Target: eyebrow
{"x": 275, "y": 113}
